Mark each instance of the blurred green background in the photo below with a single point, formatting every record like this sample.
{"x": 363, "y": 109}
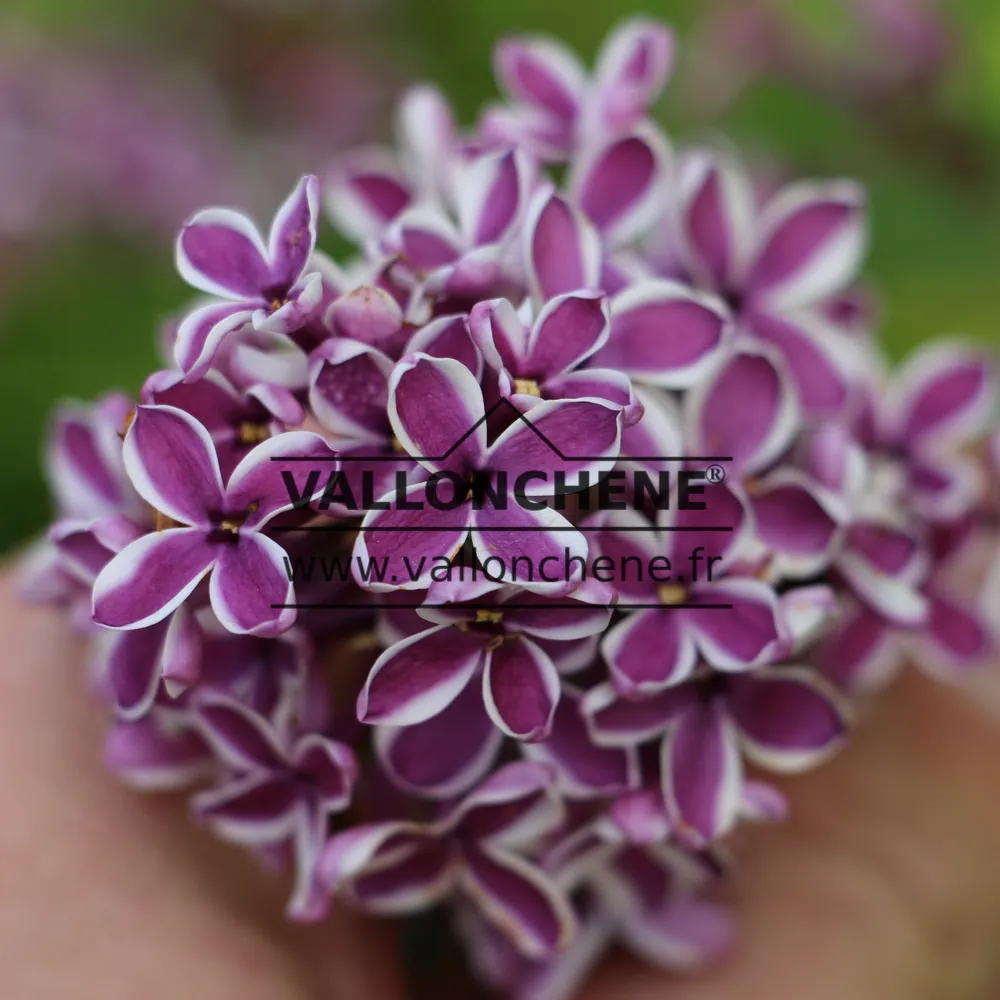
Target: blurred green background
{"x": 821, "y": 87}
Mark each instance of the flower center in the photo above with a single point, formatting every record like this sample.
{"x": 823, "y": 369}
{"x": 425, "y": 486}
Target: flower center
{"x": 251, "y": 433}
{"x": 527, "y": 387}
{"x": 671, "y": 594}
{"x": 230, "y": 526}
{"x": 488, "y": 616}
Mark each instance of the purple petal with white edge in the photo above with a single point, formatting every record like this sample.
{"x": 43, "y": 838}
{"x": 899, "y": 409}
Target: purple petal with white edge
{"x": 816, "y": 355}
{"x": 806, "y": 614}
{"x": 649, "y": 651}
{"x": 621, "y": 185}
{"x": 368, "y": 314}
{"x": 664, "y": 333}
{"x": 540, "y": 72}
{"x": 702, "y": 773}
{"x": 583, "y": 769}
{"x": 309, "y": 901}
{"x": 789, "y": 719}
{"x": 599, "y": 383}
{"x": 366, "y": 192}
{"x": 955, "y": 639}
{"x": 656, "y": 438}
{"x": 558, "y": 436}
{"x": 428, "y": 135}
{"x": 790, "y": 520}
{"x": 291, "y": 312}
{"x": 279, "y": 402}
{"x": 183, "y": 649}
{"x": 569, "y": 329}
{"x": 221, "y": 252}
{"x": 715, "y": 212}
{"x": 763, "y": 803}
{"x": 742, "y": 635}
{"x": 266, "y": 357}
{"x": 170, "y": 458}
{"x": 409, "y": 883}
{"x": 811, "y": 243}
{"x": 684, "y": 935}
{"x": 537, "y": 616}
{"x": 894, "y": 595}
{"x": 539, "y": 550}
{"x": 945, "y": 392}
{"x": 746, "y": 411}
{"x": 150, "y": 578}
{"x": 331, "y": 767}
{"x": 521, "y": 690}
{"x": 254, "y": 809}
{"x": 293, "y": 233}
{"x": 436, "y": 410}
{"x": 400, "y": 549}
{"x": 490, "y": 196}
{"x": 419, "y": 677}
{"x": 238, "y": 736}
{"x": 148, "y": 756}
{"x": 549, "y": 138}
{"x": 641, "y": 817}
{"x": 444, "y": 756}
{"x": 447, "y": 337}
{"x": 518, "y": 899}
{"x": 724, "y": 508}
{"x": 501, "y": 335}
{"x": 366, "y": 847}
{"x": 945, "y": 489}
{"x": 249, "y": 587}
{"x": 133, "y": 665}
{"x": 858, "y": 653}
{"x": 426, "y": 239}
{"x": 259, "y": 487}
{"x": 349, "y": 389}
{"x": 572, "y": 656}
{"x": 614, "y": 721}
{"x": 563, "y": 249}
{"x": 632, "y": 70}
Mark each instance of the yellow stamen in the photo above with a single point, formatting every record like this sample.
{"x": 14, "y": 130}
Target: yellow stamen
{"x": 488, "y": 616}
{"x": 527, "y": 387}
{"x": 251, "y": 433}
{"x": 671, "y": 593}
{"x": 231, "y": 525}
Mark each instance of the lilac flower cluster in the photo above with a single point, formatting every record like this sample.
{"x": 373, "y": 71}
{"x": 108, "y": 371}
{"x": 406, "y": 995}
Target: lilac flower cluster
{"x": 560, "y": 758}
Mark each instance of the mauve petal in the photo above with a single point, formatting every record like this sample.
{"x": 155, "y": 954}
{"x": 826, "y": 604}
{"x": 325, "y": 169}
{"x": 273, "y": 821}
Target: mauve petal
{"x": 655, "y": 442}
{"x": 427, "y": 135}
{"x": 527, "y": 127}
{"x": 419, "y": 677}
{"x": 436, "y": 410}
{"x": 151, "y": 577}
{"x": 491, "y": 194}
{"x": 715, "y": 215}
{"x": 815, "y": 359}
{"x": 632, "y": 69}
{"x": 447, "y": 337}
{"x": 583, "y": 769}
{"x": 349, "y": 389}
{"x": 249, "y": 587}
{"x": 259, "y": 485}
{"x": 84, "y": 472}
{"x": 221, "y": 252}
{"x": 365, "y": 847}
{"x": 402, "y": 549}
{"x": 615, "y": 721}
{"x": 365, "y": 193}
{"x": 746, "y": 411}
{"x": 791, "y": 521}
{"x": 789, "y": 719}
{"x": 945, "y": 391}
{"x": 540, "y": 72}
{"x": 813, "y": 237}
{"x": 409, "y": 884}
{"x": 444, "y": 756}
{"x": 641, "y": 817}
{"x": 620, "y": 186}
{"x": 648, "y": 651}
{"x": 598, "y": 383}
{"x": 171, "y": 460}
{"x": 542, "y": 618}
{"x": 959, "y": 638}
{"x": 239, "y": 737}
{"x": 702, "y": 774}
{"x": 426, "y": 239}
{"x": 724, "y": 508}
{"x": 539, "y": 551}
{"x": 563, "y": 249}
{"x": 148, "y": 756}
{"x": 132, "y": 662}
{"x": 742, "y": 635}
{"x": 500, "y": 334}
{"x": 293, "y": 233}
{"x": 521, "y": 690}
{"x": 568, "y": 330}
{"x": 331, "y": 766}
{"x": 683, "y": 936}
{"x": 368, "y": 314}
{"x": 254, "y": 809}
{"x": 519, "y": 900}
{"x": 664, "y": 333}
{"x": 763, "y": 803}
{"x": 183, "y": 652}
{"x": 567, "y": 436}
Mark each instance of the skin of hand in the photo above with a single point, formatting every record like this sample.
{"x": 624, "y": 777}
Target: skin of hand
{"x": 884, "y": 884}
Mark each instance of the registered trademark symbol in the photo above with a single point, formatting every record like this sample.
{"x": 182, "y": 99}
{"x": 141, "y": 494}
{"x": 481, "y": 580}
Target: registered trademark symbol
{"x": 715, "y": 473}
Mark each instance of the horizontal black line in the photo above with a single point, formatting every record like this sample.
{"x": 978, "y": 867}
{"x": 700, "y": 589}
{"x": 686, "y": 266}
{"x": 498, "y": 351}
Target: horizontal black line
{"x": 579, "y": 606}
{"x": 495, "y": 531}
{"x": 441, "y": 458}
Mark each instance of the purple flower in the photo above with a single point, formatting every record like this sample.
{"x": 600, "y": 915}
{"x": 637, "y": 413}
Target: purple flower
{"x": 172, "y": 463}
{"x": 280, "y": 789}
{"x": 474, "y": 849}
{"x": 268, "y": 285}
{"x": 438, "y": 414}
{"x": 783, "y": 719}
